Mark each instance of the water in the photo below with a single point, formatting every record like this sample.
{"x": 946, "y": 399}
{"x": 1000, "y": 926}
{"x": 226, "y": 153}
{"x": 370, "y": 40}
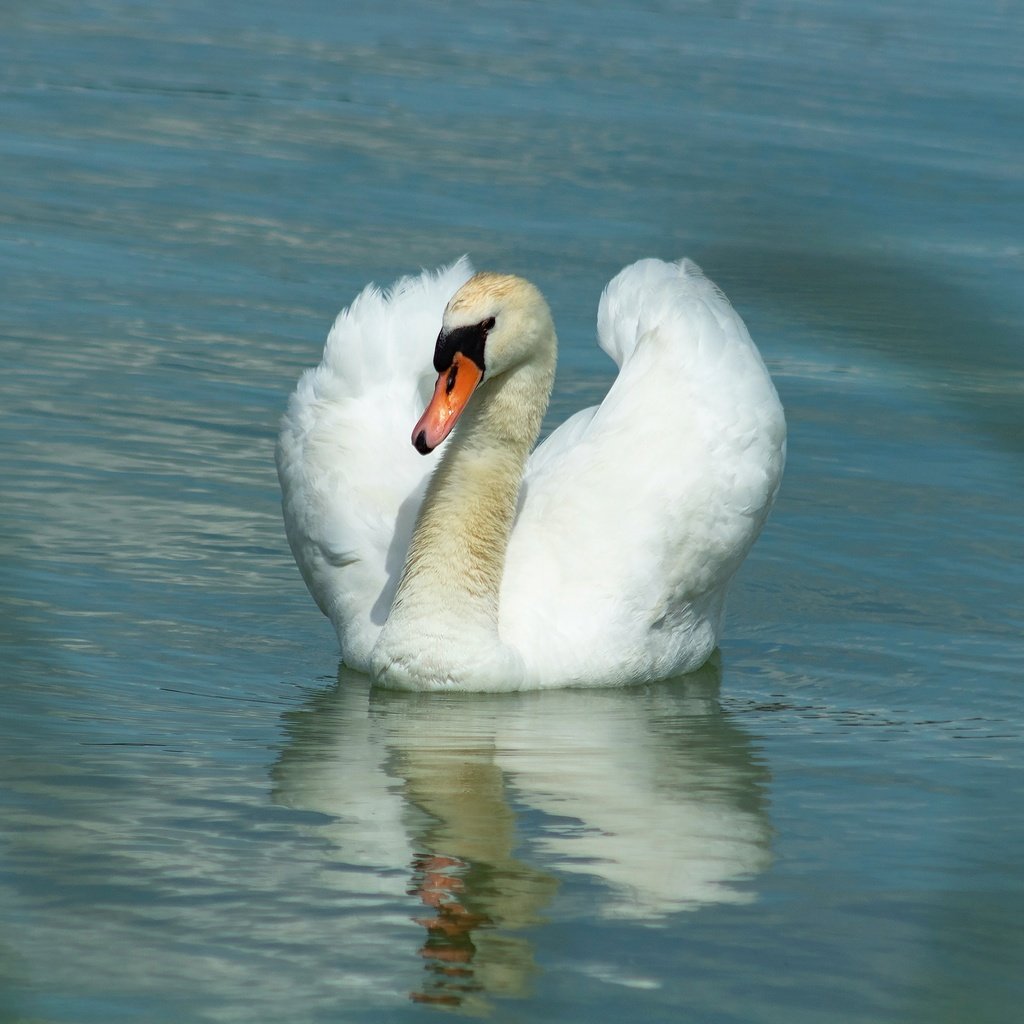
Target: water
{"x": 203, "y": 820}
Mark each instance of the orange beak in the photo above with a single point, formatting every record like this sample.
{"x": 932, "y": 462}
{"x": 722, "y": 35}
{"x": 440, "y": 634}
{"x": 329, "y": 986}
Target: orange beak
{"x": 454, "y": 388}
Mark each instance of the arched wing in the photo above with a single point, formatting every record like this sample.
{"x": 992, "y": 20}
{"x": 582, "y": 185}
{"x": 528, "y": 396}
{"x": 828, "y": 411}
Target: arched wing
{"x": 635, "y": 514}
{"x": 351, "y": 481}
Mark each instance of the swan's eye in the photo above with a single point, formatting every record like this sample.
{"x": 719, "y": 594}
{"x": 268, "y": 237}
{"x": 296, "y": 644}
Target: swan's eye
{"x": 469, "y": 341}
{"x": 450, "y": 382}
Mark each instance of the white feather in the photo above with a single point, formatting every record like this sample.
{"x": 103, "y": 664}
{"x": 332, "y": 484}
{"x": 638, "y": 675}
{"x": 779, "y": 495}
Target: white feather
{"x": 351, "y": 481}
{"x": 633, "y": 516}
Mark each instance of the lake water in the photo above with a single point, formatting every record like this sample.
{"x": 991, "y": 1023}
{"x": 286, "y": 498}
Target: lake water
{"x": 203, "y": 819}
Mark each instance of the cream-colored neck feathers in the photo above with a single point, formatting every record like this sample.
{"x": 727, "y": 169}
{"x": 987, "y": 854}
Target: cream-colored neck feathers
{"x": 443, "y": 625}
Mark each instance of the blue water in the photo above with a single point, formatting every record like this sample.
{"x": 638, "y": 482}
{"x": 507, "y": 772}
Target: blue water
{"x": 203, "y": 819}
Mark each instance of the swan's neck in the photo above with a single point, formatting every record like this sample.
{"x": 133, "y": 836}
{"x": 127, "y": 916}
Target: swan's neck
{"x": 444, "y": 620}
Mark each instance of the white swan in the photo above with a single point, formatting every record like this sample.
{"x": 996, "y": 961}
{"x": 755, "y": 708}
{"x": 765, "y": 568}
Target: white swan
{"x": 601, "y": 559}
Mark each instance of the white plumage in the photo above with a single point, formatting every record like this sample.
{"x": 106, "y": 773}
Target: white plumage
{"x": 632, "y": 518}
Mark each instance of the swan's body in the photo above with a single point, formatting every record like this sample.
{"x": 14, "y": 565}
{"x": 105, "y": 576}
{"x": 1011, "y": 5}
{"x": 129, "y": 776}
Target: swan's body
{"x": 603, "y": 557}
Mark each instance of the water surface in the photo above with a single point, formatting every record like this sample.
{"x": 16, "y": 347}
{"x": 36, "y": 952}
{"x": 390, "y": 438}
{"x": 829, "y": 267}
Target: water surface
{"x": 205, "y": 819}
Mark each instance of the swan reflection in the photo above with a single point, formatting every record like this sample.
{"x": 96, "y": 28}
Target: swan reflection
{"x": 472, "y": 810}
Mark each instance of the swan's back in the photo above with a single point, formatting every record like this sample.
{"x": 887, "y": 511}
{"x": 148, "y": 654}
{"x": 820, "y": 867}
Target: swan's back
{"x": 636, "y": 515}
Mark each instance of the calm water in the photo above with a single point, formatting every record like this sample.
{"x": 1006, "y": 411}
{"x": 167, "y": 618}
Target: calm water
{"x": 203, "y": 820}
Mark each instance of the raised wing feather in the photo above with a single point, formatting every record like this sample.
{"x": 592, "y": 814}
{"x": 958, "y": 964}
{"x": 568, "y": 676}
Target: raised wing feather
{"x": 351, "y": 482}
{"x": 636, "y": 514}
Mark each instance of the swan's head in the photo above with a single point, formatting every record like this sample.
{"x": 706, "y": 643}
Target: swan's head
{"x": 493, "y": 324}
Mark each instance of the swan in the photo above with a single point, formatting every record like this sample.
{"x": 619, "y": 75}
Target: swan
{"x": 600, "y": 558}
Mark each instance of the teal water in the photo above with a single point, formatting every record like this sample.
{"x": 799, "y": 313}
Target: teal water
{"x": 202, "y": 819}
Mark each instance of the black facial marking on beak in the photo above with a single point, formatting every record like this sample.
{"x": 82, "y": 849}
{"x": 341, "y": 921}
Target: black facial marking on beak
{"x": 421, "y": 443}
{"x": 467, "y": 340}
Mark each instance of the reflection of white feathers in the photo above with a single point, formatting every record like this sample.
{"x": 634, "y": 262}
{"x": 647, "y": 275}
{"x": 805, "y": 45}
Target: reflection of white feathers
{"x": 340, "y": 769}
{"x": 663, "y": 833}
{"x": 652, "y": 793}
